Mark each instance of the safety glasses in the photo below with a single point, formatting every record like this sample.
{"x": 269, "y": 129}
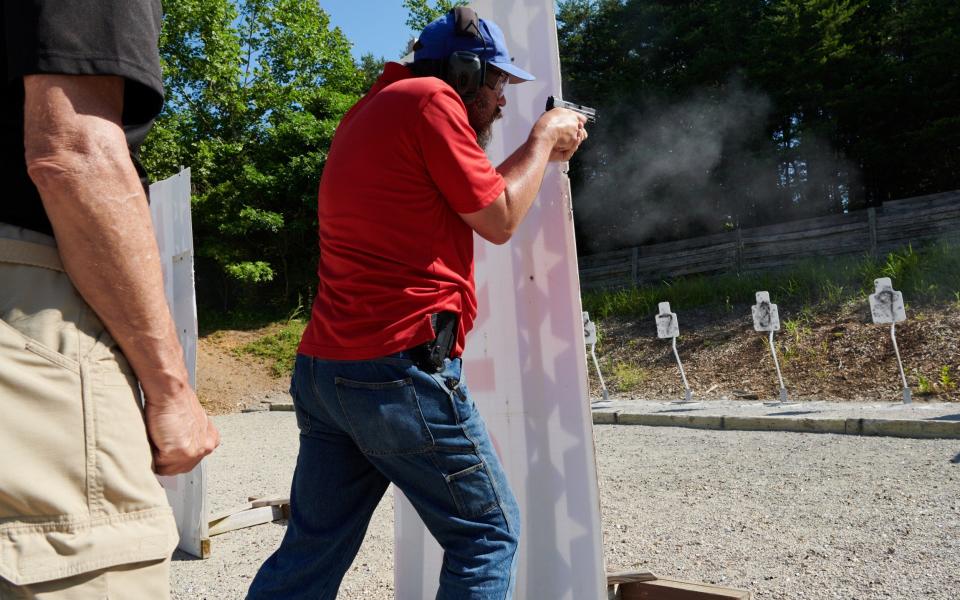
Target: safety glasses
{"x": 496, "y": 80}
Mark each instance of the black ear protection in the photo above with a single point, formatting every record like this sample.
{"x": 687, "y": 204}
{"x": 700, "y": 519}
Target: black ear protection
{"x": 464, "y": 71}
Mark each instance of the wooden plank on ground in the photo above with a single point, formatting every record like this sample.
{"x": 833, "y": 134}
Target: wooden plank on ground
{"x": 674, "y": 589}
{"x": 222, "y": 514}
{"x": 258, "y": 502}
{"x": 630, "y": 577}
{"x": 248, "y": 518}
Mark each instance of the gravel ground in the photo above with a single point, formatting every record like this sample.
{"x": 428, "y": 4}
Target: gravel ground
{"x": 787, "y": 516}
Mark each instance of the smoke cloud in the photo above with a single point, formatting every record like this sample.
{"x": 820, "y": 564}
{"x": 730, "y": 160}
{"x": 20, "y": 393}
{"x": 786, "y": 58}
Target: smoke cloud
{"x": 703, "y": 165}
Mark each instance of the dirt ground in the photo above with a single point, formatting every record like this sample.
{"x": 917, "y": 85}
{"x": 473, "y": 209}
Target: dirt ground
{"x": 836, "y": 356}
{"x": 227, "y": 381}
{"x": 840, "y": 356}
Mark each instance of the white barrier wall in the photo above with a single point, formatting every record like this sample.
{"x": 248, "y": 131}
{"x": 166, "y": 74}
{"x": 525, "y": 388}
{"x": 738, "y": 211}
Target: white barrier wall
{"x": 525, "y": 363}
{"x": 170, "y": 210}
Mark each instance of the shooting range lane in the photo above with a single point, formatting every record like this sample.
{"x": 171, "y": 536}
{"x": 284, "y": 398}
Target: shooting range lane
{"x": 524, "y": 361}
{"x": 788, "y": 516}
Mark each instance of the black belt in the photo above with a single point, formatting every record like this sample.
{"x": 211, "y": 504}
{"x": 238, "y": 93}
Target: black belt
{"x": 429, "y": 356}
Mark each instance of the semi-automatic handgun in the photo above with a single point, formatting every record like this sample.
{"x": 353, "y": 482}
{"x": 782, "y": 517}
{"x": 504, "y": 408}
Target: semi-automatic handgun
{"x": 589, "y": 113}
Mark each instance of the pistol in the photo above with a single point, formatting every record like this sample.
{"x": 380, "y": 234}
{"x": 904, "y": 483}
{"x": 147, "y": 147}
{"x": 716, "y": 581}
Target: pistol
{"x": 589, "y": 113}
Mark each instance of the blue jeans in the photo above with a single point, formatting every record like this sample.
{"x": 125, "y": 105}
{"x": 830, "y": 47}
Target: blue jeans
{"x": 364, "y": 424}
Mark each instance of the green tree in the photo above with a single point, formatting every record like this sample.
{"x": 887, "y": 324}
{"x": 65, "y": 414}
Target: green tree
{"x": 422, "y": 13}
{"x": 859, "y": 105}
{"x": 370, "y": 67}
{"x": 255, "y": 90}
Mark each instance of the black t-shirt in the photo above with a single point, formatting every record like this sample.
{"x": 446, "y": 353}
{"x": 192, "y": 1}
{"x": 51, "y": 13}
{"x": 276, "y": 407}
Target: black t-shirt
{"x": 73, "y": 37}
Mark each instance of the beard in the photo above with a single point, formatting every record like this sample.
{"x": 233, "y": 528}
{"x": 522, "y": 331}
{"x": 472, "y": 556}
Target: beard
{"x": 481, "y": 113}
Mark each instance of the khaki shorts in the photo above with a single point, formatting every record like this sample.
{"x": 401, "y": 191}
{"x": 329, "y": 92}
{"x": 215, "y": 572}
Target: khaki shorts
{"x": 77, "y": 492}
{"x": 139, "y": 581}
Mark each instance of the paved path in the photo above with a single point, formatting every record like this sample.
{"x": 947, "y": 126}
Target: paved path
{"x": 917, "y": 420}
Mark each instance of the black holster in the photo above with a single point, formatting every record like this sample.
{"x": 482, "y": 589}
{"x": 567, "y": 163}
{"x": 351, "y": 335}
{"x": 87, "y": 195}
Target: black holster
{"x": 429, "y": 356}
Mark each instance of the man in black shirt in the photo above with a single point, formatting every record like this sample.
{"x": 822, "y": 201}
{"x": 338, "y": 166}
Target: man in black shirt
{"x": 82, "y": 313}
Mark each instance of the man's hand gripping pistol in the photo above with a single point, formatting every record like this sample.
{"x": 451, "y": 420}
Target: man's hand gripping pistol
{"x": 589, "y": 113}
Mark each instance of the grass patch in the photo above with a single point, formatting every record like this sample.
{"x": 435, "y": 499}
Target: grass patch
{"x": 927, "y": 275}
{"x": 629, "y": 377}
{"x": 212, "y": 321}
{"x": 947, "y": 382}
{"x": 279, "y": 348}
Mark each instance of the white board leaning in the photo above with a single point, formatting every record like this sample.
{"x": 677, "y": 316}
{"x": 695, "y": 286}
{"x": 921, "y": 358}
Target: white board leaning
{"x": 524, "y": 361}
{"x": 170, "y": 210}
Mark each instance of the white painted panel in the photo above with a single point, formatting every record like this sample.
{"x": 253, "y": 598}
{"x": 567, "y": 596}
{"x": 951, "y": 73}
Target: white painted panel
{"x": 170, "y": 210}
{"x": 524, "y": 361}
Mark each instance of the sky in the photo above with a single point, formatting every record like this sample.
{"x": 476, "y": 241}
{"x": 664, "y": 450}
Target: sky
{"x": 377, "y": 27}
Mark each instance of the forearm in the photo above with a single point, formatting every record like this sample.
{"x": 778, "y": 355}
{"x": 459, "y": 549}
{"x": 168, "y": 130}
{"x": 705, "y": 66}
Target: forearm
{"x": 103, "y": 229}
{"x": 77, "y": 157}
{"x": 555, "y": 137}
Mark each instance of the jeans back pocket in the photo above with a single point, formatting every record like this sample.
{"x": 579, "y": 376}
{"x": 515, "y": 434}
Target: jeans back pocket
{"x": 384, "y": 417}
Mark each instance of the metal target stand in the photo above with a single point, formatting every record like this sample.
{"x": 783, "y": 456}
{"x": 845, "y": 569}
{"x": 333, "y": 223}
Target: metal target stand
{"x": 886, "y": 306}
{"x": 766, "y": 318}
{"x": 590, "y": 339}
{"x": 669, "y": 328}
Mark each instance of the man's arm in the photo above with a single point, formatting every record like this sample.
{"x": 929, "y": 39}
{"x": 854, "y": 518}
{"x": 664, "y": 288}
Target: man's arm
{"x": 77, "y": 156}
{"x": 555, "y": 137}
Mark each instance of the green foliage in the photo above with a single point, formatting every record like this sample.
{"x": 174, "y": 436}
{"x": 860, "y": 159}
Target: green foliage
{"x": 797, "y": 328}
{"x": 927, "y": 275}
{"x": 370, "y": 68}
{"x": 278, "y": 348}
{"x": 944, "y": 383}
{"x": 925, "y": 387}
{"x": 628, "y": 376}
{"x": 255, "y": 89}
{"x": 250, "y": 272}
{"x": 946, "y": 380}
{"x": 422, "y": 13}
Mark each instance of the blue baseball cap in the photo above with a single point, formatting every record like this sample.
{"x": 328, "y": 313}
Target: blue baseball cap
{"x": 440, "y": 39}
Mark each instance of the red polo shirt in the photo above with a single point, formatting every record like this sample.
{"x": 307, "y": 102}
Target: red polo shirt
{"x": 393, "y": 248}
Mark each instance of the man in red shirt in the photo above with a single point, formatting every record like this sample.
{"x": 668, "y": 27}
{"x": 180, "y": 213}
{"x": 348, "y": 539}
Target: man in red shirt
{"x": 377, "y": 385}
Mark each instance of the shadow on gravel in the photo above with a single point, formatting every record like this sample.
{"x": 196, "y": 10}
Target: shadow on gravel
{"x": 956, "y": 460}
{"x": 955, "y": 417}
{"x": 793, "y": 413}
{"x": 678, "y": 410}
{"x": 180, "y": 555}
